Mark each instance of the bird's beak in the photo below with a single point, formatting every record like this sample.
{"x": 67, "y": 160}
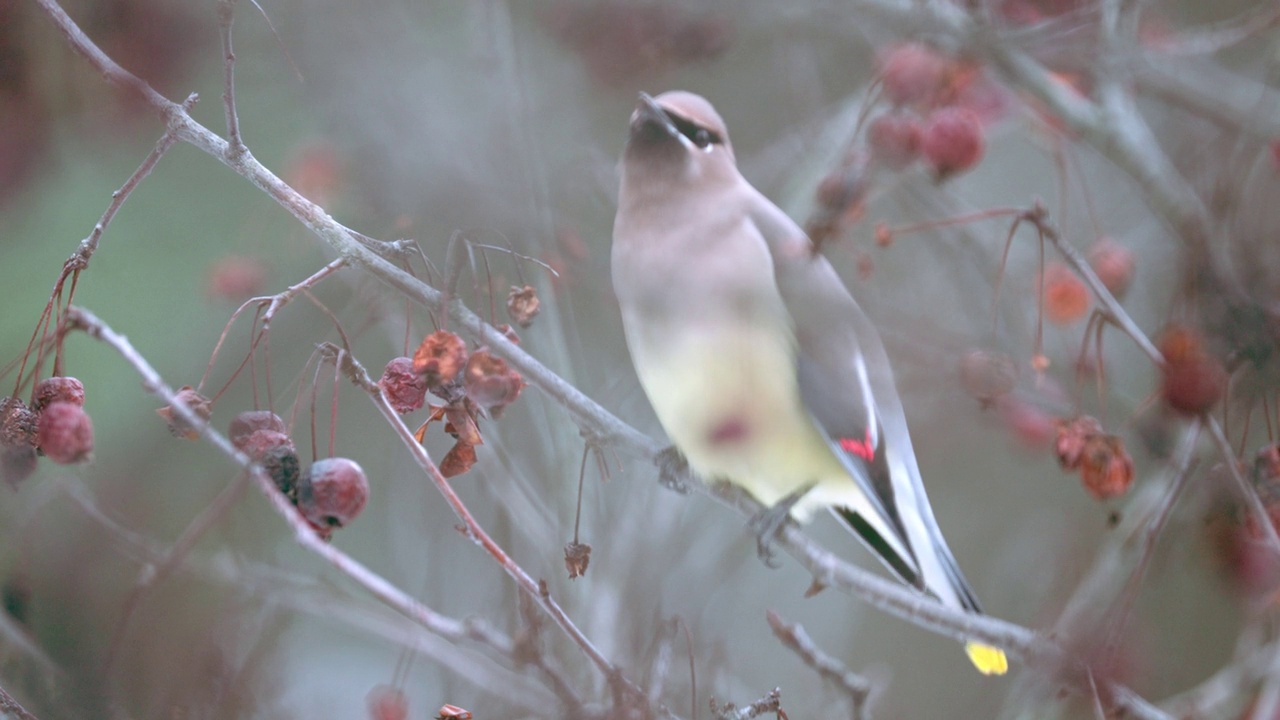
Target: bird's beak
{"x": 649, "y": 111}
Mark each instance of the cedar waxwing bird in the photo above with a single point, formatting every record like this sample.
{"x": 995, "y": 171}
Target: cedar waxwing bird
{"x": 758, "y": 363}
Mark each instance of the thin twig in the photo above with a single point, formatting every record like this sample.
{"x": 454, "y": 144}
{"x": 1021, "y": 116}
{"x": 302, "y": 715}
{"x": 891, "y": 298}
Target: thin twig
{"x": 795, "y": 639}
{"x": 226, "y": 19}
{"x": 12, "y": 707}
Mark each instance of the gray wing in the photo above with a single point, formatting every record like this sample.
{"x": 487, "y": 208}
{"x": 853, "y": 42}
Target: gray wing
{"x": 847, "y": 385}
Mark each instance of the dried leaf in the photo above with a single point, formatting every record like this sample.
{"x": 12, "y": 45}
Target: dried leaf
{"x": 458, "y": 460}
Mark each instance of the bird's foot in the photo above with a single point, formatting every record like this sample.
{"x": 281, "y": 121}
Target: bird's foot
{"x": 767, "y": 522}
{"x": 673, "y": 471}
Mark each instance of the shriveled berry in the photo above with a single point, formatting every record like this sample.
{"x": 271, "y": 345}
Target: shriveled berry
{"x": 1105, "y": 467}
{"x": 523, "y": 305}
{"x": 199, "y": 404}
{"x": 1113, "y": 263}
{"x": 1074, "y": 435}
{"x": 17, "y": 423}
{"x": 57, "y": 389}
{"x": 913, "y": 74}
{"x": 1066, "y": 299}
{"x": 251, "y": 421}
{"x": 440, "y": 358}
{"x": 576, "y": 558}
{"x": 281, "y": 463}
{"x": 332, "y": 492}
{"x": 490, "y": 383}
{"x": 65, "y": 433}
{"x": 894, "y": 139}
{"x": 17, "y": 462}
{"x": 986, "y": 375}
{"x": 952, "y": 141}
{"x": 404, "y": 389}
{"x": 460, "y": 458}
{"x": 387, "y": 702}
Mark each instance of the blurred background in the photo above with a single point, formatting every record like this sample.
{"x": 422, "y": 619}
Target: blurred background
{"x": 504, "y": 121}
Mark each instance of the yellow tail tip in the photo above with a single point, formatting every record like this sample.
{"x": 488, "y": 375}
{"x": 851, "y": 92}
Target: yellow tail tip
{"x": 989, "y": 660}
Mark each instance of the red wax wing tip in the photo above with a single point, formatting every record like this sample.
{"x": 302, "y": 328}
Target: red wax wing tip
{"x": 862, "y": 448}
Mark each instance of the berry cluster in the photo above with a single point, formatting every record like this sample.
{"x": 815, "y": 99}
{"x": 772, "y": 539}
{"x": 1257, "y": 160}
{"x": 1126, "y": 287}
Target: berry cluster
{"x": 55, "y": 426}
{"x": 471, "y": 384}
{"x": 1104, "y": 464}
{"x": 329, "y": 494}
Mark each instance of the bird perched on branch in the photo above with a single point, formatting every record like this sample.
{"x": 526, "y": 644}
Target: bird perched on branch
{"x": 759, "y": 364}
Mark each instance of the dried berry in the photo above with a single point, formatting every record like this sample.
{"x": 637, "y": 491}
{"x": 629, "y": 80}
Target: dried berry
{"x": 987, "y": 376}
{"x": 440, "y": 358}
{"x": 387, "y": 703}
{"x": 490, "y": 383}
{"x": 237, "y": 278}
{"x": 65, "y": 433}
{"x": 1066, "y": 299}
{"x": 281, "y": 463}
{"x": 199, "y": 404}
{"x": 404, "y": 389}
{"x": 332, "y": 492}
{"x": 913, "y": 74}
{"x": 1074, "y": 435}
{"x": 17, "y": 423}
{"x": 453, "y": 712}
{"x": 523, "y": 305}
{"x": 17, "y": 463}
{"x": 250, "y": 421}
{"x": 576, "y": 558}
{"x": 1105, "y": 467}
{"x": 1191, "y": 380}
{"x": 57, "y": 389}
{"x": 952, "y": 141}
{"x": 1113, "y": 264}
{"x": 894, "y": 139}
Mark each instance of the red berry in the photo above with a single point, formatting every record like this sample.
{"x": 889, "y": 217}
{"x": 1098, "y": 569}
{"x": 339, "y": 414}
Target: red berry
{"x": 1066, "y": 298}
{"x": 332, "y": 492}
{"x": 57, "y": 389}
{"x": 952, "y": 141}
{"x": 1113, "y": 263}
{"x": 913, "y": 74}
{"x": 404, "y": 389}
{"x": 1192, "y": 381}
{"x": 894, "y": 139}
{"x": 65, "y": 433}
{"x": 17, "y": 423}
{"x": 387, "y": 703}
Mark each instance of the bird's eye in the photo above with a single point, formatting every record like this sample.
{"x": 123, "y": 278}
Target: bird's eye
{"x": 702, "y": 138}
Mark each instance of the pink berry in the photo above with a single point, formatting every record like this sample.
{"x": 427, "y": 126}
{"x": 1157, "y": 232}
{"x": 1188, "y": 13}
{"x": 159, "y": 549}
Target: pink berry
{"x": 913, "y": 74}
{"x": 490, "y": 382}
{"x": 65, "y": 433}
{"x": 405, "y": 389}
{"x": 57, "y": 389}
{"x": 952, "y": 141}
{"x": 894, "y": 140}
{"x": 332, "y": 492}
{"x": 250, "y": 421}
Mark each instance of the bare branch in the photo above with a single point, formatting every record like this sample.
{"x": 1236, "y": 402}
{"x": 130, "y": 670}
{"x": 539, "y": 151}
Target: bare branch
{"x": 794, "y": 638}
{"x": 12, "y": 707}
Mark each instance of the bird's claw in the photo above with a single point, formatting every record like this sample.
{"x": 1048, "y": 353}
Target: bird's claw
{"x": 673, "y": 471}
{"x": 766, "y": 523}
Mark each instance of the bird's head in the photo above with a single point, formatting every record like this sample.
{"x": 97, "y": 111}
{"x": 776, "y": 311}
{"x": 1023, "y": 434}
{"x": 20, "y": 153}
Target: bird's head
{"x": 678, "y": 134}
